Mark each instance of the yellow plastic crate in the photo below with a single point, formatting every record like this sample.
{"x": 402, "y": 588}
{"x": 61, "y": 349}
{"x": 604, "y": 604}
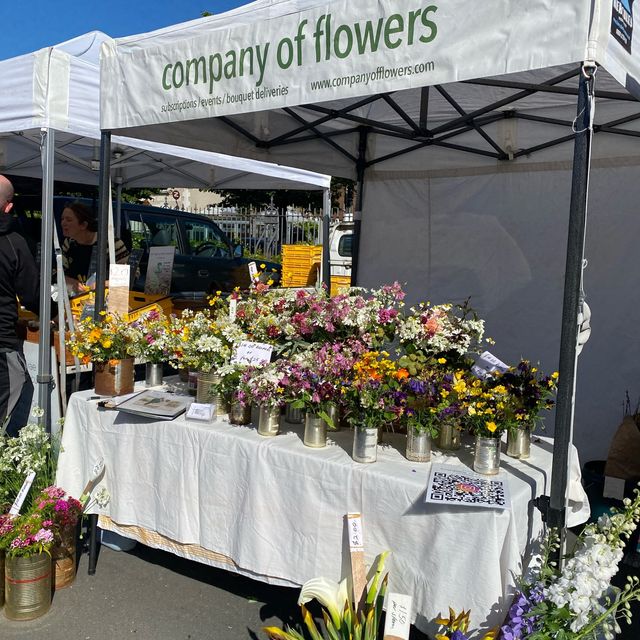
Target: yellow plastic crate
{"x": 300, "y": 264}
{"x": 339, "y": 284}
{"x": 139, "y": 303}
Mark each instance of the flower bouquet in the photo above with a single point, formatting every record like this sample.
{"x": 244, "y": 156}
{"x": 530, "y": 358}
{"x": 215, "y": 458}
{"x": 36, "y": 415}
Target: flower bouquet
{"x": 110, "y": 338}
{"x": 61, "y": 513}
{"x": 31, "y": 450}
{"x": 375, "y": 396}
{"x": 342, "y": 621}
{"x": 530, "y": 391}
{"x": 158, "y": 339}
{"x": 200, "y": 346}
{"x": 577, "y": 602}
{"x": 442, "y": 331}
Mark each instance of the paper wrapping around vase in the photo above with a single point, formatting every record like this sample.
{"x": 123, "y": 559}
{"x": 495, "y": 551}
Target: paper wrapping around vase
{"x": 623, "y": 460}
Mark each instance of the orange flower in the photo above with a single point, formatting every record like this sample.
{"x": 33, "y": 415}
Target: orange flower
{"x": 401, "y": 374}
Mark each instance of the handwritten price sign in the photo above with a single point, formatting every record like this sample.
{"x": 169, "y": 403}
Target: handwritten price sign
{"x": 249, "y": 352}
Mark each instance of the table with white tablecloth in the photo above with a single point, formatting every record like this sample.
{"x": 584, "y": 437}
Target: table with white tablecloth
{"x": 274, "y": 510}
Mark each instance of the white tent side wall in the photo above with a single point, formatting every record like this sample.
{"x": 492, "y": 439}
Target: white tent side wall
{"x": 500, "y": 239}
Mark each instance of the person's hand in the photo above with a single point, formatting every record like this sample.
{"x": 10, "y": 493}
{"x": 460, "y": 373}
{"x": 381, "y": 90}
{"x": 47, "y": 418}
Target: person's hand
{"x": 75, "y": 286}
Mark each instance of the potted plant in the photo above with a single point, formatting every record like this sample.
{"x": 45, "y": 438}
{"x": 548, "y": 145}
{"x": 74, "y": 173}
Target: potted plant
{"x": 63, "y": 512}
{"x": 27, "y": 546}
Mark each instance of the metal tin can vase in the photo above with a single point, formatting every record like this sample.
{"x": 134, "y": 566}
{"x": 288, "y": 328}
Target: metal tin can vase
{"x": 114, "y": 377}
{"x": 153, "y": 374}
{"x": 63, "y": 556}
{"x": 27, "y": 586}
{"x": 268, "y": 420}
{"x": 448, "y": 436}
{"x": 486, "y": 459}
{"x": 207, "y": 389}
{"x": 293, "y": 416}
{"x": 365, "y": 444}
{"x": 239, "y": 413}
{"x": 418, "y": 445}
{"x": 315, "y": 431}
{"x": 519, "y": 443}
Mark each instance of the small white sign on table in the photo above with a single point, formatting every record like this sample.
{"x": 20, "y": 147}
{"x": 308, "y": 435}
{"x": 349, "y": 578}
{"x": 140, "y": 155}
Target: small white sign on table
{"x": 397, "y": 624}
{"x": 200, "y": 412}
{"x": 487, "y": 364}
{"x": 452, "y": 485}
{"x": 248, "y": 352}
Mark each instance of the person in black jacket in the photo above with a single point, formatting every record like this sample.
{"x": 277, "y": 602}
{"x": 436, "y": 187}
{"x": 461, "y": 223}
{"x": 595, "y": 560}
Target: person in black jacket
{"x": 19, "y": 278}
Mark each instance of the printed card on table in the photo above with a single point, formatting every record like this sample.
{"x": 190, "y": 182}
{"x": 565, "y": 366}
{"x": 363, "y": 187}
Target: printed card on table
{"x": 458, "y": 485}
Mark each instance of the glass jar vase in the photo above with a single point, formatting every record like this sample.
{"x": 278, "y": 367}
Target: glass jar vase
{"x": 486, "y": 459}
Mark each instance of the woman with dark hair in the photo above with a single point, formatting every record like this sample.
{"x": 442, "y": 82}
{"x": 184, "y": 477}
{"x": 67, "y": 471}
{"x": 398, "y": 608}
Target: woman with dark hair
{"x": 80, "y": 228}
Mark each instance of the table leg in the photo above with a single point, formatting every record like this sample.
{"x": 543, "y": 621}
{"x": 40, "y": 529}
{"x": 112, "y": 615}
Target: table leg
{"x": 93, "y": 543}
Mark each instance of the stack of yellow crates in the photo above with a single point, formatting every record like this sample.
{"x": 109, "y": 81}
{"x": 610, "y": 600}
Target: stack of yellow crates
{"x": 300, "y": 264}
{"x": 139, "y": 303}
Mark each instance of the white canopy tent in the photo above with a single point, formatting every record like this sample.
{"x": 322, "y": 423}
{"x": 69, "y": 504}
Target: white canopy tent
{"x": 459, "y": 122}
{"x": 49, "y": 128}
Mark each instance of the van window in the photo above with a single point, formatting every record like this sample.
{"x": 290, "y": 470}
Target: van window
{"x": 344, "y": 246}
{"x": 206, "y": 239}
{"x": 148, "y": 230}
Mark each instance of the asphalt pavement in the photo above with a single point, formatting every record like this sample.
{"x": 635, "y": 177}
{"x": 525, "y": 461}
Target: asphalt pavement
{"x": 147, "y": 594}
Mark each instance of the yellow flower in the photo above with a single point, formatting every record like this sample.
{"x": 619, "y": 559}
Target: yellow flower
{"x": 106, "y": 343}
{"x": 500, "y": 389}
{"x": 491, "y": 426}
{"x": 555, "y": 375}
{"x": 263, "y": 266}
{"x": 442, "y": 360}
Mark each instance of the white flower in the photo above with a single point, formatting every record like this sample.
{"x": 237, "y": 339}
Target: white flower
{"x": 331, "y": 595}
{"x": 102, "y": 497}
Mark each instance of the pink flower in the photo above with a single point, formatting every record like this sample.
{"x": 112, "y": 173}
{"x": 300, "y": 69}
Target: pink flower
{"x": 44, "y": 535}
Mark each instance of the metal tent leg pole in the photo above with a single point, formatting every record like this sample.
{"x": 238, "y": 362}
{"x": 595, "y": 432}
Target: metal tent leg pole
{"x": 357, "y": 215}
{"x": 101, "y": 276}
{"x": 44, "y": 377}
{"x": 93, "y": 543}
{"x": 326, "y": 249}
{"x": 104, "y": 194}
{"x": 555, "y": 508}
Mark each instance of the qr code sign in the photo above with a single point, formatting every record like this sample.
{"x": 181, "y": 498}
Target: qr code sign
{"x": 447, "y": 486}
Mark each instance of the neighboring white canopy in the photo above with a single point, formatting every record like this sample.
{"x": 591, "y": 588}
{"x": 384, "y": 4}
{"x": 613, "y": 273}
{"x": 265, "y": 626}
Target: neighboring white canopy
{"x": 58, "y": 88}
{"x": 49, "y": 126}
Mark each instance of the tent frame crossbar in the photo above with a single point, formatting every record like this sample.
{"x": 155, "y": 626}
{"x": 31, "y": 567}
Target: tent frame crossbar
{"x": 421, "y": 136}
